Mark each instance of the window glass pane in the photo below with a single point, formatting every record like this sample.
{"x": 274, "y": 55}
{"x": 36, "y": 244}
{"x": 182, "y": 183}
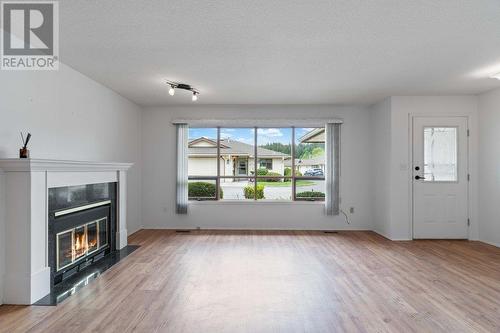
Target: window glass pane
{"x": 237, "y": 152}
{"x": 202, "y": 152}
{"x": 310, "y": 152}
{"x": 274, "y": 189}
{"x": 440, "y": 154}
{"x": 309, "y": 189}
{"x": 237, "y": 188}
{"x": 202, "y": 189}
{"x": 274, "y": 151}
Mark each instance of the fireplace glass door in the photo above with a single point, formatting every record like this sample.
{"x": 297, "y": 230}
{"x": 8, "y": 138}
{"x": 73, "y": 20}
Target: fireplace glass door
{"x": 80, "y": 242}
{"x": 64, "y": 249}
{"x": 77, "y": 243}
{"x": 92, "y": 235}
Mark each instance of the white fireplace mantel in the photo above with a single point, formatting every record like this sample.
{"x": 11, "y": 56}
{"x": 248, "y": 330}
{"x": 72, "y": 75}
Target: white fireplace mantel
{"x": 27, "y": 274}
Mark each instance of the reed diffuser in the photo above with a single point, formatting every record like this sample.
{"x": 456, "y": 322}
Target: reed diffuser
{"x": 24, "y": 152}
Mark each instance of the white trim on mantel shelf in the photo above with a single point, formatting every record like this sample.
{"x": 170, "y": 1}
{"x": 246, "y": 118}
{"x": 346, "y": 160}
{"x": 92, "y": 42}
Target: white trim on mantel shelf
{"x": 30, "y": 164}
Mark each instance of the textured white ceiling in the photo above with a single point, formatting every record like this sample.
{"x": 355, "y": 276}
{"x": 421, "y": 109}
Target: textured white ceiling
{"x": 283, "y": 52}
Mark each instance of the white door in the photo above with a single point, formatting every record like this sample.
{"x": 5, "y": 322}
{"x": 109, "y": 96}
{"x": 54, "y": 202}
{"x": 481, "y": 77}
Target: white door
{"x": 440, "y": 177}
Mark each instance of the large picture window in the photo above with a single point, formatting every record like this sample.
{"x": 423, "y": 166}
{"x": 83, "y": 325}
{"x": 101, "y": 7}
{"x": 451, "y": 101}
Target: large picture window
{"x": 282, "y": 164}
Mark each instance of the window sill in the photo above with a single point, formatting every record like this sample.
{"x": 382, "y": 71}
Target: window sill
{"x": 253, "y": 202}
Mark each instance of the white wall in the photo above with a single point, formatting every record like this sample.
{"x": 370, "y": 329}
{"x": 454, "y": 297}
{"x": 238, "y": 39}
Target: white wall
{"x": 70, "y": 117}
{"x": 159, "y": 172}
{"x": 381, "y": 160}
{"x": 402, "y": 107}
{"x": 489, "y": 167}
{"x": 2, "y": 234}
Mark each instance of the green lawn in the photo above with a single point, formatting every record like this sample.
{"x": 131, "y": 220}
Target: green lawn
{"x": 285, "y": 184}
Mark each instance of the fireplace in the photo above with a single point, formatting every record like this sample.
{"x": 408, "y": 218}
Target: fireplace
{"x": 79, "y": 242}
{"x": 82, "y": 227}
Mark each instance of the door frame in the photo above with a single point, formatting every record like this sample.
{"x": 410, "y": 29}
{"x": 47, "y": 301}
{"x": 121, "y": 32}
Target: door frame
{"x": 237, "y": 169}
{"x": 411, "y": 119}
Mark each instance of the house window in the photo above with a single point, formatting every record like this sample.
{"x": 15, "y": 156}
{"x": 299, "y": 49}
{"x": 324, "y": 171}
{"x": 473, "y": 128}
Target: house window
{"x": 282, "y": 164}
{"x": 266, "y": 163}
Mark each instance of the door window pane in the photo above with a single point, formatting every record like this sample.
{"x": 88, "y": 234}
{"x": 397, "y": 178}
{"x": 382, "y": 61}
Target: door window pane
{"x": 237, "y": 189}
{"x": 237, "y": 150}
{"x": 274, "y": 189}
{"x": 274, "y": 151}
{"x": 310, "y": 189}
{"x": 202, "y": 152}
{"x": 202, "y": 189}
{"x": 440, "y": 154}
{"x": 310, "y": 152}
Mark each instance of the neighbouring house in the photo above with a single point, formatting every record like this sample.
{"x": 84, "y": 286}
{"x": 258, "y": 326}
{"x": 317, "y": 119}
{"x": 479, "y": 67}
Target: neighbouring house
{"x": 303, "y": 165}
{"x": 316, "y": 135}
{"x": 236, "y": 158}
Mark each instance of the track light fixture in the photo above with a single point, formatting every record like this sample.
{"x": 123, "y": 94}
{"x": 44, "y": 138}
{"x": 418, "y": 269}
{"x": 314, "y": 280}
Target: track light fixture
{"x": 176, "y": 85}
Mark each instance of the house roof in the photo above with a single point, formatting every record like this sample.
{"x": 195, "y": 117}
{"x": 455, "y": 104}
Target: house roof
{"x": 310, "y": 161}
{"x": 317, "y": 135}
{"x": 208, "y": 147}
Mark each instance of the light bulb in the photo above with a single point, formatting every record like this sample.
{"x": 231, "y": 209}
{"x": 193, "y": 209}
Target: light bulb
{"x": 195, "y": 97}
{"x": 495, "y": 76}
{"x": 171, "y": 91}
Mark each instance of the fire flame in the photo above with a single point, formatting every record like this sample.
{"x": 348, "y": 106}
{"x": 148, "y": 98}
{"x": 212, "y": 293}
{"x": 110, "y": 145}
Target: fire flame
{"x": 81, "y": 246}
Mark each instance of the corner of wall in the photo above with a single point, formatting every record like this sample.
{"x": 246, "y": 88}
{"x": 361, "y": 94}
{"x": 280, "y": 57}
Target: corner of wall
{"x": 2, "y": 235}
{"x": 488, "y": 189}
{"x": 381, "y": 155}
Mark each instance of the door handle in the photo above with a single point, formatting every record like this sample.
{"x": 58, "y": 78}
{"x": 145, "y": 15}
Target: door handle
{"x": 418, "y": 177}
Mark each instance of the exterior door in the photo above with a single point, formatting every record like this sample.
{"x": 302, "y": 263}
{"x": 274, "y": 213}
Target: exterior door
{"x": 440, "y": 177}
{"x": 242, "y": 167}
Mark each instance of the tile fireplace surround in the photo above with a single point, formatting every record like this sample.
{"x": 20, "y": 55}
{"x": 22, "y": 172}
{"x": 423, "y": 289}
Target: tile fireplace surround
{"x": 27, "y": 274}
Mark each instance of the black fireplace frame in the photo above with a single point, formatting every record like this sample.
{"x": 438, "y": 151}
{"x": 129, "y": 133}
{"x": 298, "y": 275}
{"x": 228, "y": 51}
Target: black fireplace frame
{"x": 80, "y": 198}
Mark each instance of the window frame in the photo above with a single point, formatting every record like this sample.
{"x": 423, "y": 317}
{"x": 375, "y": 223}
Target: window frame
{"x": 267, "y": 162}
{"x": 255, "y": 177}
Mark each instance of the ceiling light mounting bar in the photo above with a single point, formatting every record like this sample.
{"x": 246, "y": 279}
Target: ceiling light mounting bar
{"x": 184, "y": 86}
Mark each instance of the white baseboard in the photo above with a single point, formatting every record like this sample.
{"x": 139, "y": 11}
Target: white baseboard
{"x": 489, "y": 243}
{"x": 40, "y": 284}
{"x": 121, "y": 239}
{"x": 383, "y": 234}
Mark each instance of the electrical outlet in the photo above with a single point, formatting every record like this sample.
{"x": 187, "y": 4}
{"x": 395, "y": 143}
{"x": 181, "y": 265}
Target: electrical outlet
{"x": 351, "y": 210}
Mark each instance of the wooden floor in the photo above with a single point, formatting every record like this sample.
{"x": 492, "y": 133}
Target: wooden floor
{"x": 208, "y": 281}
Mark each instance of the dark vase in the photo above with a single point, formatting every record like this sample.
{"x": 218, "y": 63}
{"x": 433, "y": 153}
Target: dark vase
{"x": 24, "y": 153}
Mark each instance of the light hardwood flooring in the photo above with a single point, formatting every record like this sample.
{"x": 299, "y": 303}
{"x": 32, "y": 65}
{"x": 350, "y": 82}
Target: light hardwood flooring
{"x": 256, "y": 281}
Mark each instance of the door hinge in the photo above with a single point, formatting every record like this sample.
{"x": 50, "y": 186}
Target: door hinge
{"x": 468, "y": 132}
{"x": 468, "y": 177}
{"x": 468, "y": 222}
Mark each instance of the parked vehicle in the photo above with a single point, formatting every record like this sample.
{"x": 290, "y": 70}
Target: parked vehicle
{"x": 314, "y": 172}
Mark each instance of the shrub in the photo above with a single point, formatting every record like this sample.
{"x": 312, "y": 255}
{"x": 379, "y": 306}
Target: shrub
{"x": 288, "y": 173}
{"x": 249, "y": 192}
{"x": 311, "y": 194}
{"x": 272, "y": 179}
{"x": 203, "y": 190}
{"x": 262, "y": 172}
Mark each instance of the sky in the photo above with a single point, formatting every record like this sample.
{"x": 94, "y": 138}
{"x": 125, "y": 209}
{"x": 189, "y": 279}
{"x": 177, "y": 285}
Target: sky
{"x": 246, "y": 135}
